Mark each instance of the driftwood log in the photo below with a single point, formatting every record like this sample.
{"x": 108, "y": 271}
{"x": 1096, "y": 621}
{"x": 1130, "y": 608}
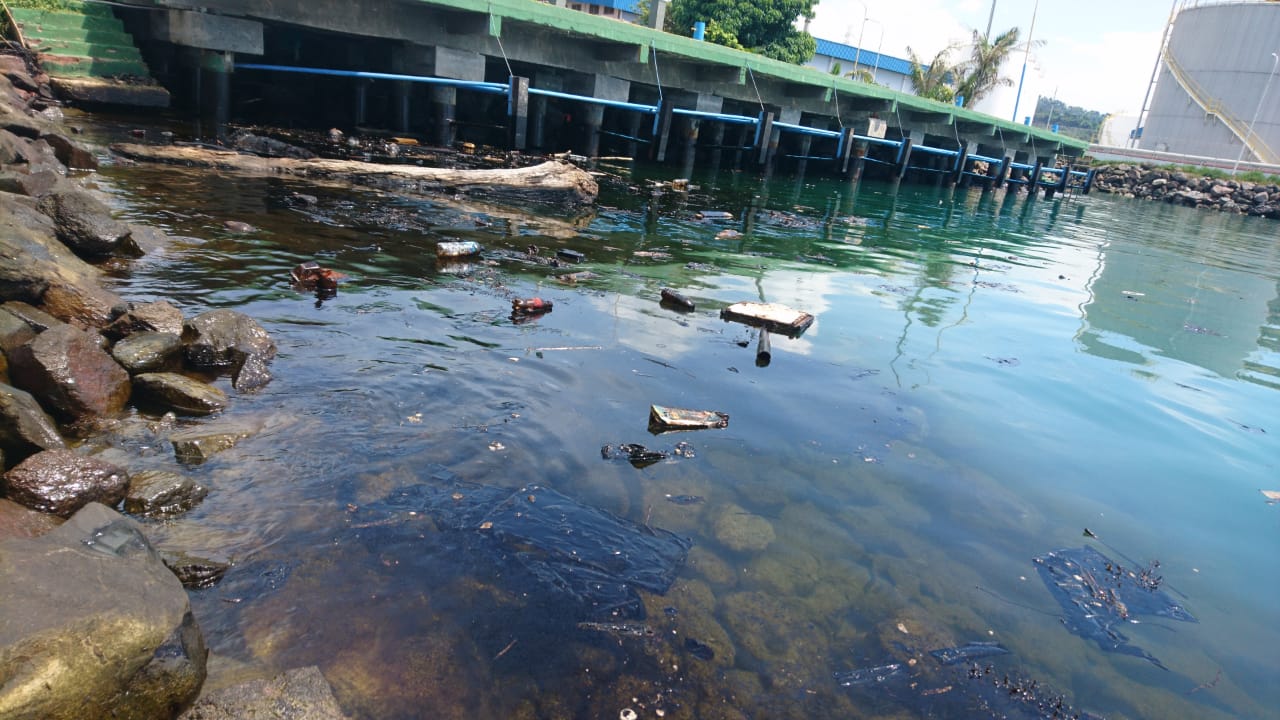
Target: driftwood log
{"x": 554, "y": 181}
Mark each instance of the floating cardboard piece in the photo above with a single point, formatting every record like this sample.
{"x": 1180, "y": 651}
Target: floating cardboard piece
{"x": 665, "y": 418}
{"x": 770, "y": 316}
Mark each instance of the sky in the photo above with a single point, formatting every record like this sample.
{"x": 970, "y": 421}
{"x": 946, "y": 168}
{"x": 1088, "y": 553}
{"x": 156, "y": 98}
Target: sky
{"x": 1096, "y": 54}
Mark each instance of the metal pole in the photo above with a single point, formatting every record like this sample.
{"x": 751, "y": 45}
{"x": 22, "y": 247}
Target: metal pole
{"x": 1155, "y": 71}
{"x": 1244, "y": 144}
{"x": 879, "y": 47}
{"x": 1017, "y": 99}
{"x": 990, "y": 18}
{"x": 857, "y": 54}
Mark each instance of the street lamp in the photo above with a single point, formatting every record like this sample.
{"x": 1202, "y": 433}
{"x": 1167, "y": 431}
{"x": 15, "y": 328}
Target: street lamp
{"x": 1244, "y": 144}
{"x": 858, "y": 53}
{"x": 879, "y": 45}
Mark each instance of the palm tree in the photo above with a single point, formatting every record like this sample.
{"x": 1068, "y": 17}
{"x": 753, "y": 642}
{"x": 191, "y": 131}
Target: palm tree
{"x": 934, "y": 80}
{"x": 980, "y": 74}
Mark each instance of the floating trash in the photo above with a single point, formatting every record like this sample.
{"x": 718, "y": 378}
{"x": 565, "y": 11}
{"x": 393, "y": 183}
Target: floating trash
{"x": 770, "y": 316}
{"x": 666, "y": 418}
{"x": 461, "y": 248}
{"x": 673, "y": 299}
{"x": 1097, "y": 594}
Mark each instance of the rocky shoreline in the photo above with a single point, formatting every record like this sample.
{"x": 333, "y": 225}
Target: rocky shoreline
{"x": 1182, "y": 188}
{"x": 95, "y": 622}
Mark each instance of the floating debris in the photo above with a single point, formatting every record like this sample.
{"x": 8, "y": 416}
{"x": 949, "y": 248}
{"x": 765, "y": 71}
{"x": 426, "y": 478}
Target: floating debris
{"x": 673, "y": 299}
{"x": 1272, "y": 496}
{"x": 666, "y": 418}
{"x": 638, "y": 455}
{"x": 1200, "y": 330}
{"x": 575, "y": 278}
{"x": 684, "y": 499}
{"x": 870, "y": 676}
{"x": 572, "y": 256}
{"x": 619, "y": 628}
{"x": 713, "y": 215}
{"x": 1096, "y": 594}
{"x": 461, "y": 248}
{"x": 771, "y": 316}
{"x": 728, "y": 234}
{"x": 530, "y": 306}
{"x": 969, "y": 651}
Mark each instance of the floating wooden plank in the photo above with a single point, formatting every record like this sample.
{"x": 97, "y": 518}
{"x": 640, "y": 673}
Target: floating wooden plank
{"x": 666, "y": 418}
{"x": 770, "y": 316}
{"x": 553, "y": 181}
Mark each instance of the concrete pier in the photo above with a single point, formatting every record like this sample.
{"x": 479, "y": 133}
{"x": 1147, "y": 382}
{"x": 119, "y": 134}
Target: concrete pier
{"x": 619, "y": 86}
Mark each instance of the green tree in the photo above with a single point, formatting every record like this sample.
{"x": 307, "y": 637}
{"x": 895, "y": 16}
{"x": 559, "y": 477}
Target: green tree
{"x": 766, "y": 27}
{"x": 933, "y": 81}
{"x": 980, "y": 73}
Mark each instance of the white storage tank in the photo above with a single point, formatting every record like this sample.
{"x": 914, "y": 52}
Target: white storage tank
{"x": 1220, "y": 76}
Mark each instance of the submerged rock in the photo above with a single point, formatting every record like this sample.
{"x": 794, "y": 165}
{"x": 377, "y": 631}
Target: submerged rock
{"x": 214, "y": 338}
{"x": 740, "y": 530}
{"x": 159, "y": 493}
{"x": 198, "y": 445}
{"x": 299, "y": 694}
{"x": 180, "y": 392}
{"x": 61, "y": 482}
{"x": 69, "y": 373}
{"x": 94, "y": 625}
{"x": 195, "y": 571}
{"x": 147, "y": 352}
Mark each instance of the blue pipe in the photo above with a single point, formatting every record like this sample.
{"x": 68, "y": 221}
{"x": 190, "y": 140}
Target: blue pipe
{"x": 804, "y": 130}
{"x": 730, "y": 119}
{"x": 496, "y": 88}
{"x": 936, "y": 151}
{"x": 647, "y": 109}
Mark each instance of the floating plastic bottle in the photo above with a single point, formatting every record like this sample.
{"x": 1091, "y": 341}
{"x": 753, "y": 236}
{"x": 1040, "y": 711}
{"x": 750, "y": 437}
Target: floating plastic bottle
{"x": 675, "y": 299}
{"x": 530, "y": 306}
{"x": 460, "y": 248}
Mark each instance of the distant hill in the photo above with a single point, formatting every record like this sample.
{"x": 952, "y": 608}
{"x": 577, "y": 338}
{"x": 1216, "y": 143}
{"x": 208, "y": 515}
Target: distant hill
{"x": 1072, "y": 121}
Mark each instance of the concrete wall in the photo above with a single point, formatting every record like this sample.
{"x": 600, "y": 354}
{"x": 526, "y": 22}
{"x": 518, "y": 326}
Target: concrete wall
{"x": 1226, "y": 50}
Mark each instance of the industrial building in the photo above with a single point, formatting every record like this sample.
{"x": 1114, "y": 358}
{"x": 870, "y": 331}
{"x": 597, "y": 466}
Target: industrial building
{"x": 1216, "y": 91}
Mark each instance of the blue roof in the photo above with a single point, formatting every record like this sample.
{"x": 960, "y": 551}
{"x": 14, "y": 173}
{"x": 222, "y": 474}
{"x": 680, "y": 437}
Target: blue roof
{"x": 866, "y": 58}
{"x": 623, "y": 5}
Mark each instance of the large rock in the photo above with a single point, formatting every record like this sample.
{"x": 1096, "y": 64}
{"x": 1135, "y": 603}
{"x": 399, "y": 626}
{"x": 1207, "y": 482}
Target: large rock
{"x": 36, "y": 268}
{"x": 86, "y": 226}
{"x": 180, "y": 393}
{"x": 14, "y": 331}
{"x": 146, "y": 317}
{"x": 62, "y": 481}
{"x": 216, "y": 338}
{"x": 160, "y": 493}
{"x": 17, "y": 521}
{"x": 94, "y": 626}
{"x": 25, "y": 429}
{"x": 37, "y": 184}
{"x": 70, "y": 374}
{"x": 69, "y": 152}
{"x": 144, "y": 352}
{"x": 299, "y": 694}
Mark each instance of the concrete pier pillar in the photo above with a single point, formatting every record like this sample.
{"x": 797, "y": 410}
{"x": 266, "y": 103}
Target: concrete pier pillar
{"x": 361, "y": 110}
{"x": 444, "y": 113}
{"x": 592, "y": 120}
{"x": 537, "y": 121}
{"x": 634, "y": 122}
{"x": 717, "y": 142}
{"x": 404, "y": 106}
{"x": 518, "y": 112}
{"x": 661, "y": 132}
{"x": 691, "y": 129}
{"x": 214, "y": 88}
